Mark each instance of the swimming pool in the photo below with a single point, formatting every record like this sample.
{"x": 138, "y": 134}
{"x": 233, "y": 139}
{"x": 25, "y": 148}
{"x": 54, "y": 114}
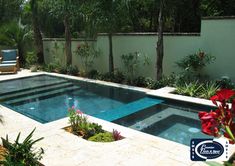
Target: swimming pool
{"x": 175, "y": 121}
{"x": 46, "y": 98}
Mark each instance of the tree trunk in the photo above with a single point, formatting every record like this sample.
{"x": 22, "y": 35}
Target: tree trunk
{"x": 68, "y": 52}
{"x": 38, "y": 40}
{"x": 36, "y": 31}
{"x": 160, "y": 48}
{"x": 111, "y": 65}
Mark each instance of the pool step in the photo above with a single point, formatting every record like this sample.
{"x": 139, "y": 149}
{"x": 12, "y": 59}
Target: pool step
{"x": 127, "y": 109}
{"x": 42, "y": 95}
{"x": 37, "y": 90}
{"x": 53, "y": 83}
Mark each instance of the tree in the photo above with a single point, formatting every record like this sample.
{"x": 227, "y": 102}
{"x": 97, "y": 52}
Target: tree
{"x": 65, "y": 9}
{"x": 31, "y": 9}
{"x": 111, "y": 17}
{"x": 14, "y": 34}
{"x": 9, "y": 10}
{"x": 160, "y": 48}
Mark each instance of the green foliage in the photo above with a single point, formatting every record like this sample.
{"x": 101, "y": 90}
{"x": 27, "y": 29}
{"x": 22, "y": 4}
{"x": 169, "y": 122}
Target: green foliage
{"x": 131, "y": 63}
{"x": 15, "y": 34}
{"x": 192, "y": 65}
{"x": 72, "y": 70}
{"x": 94, "y": 74}
{"x": 21, "y": 154}
{"x": 31, "y": 58}
{"x": 116, "y": 76}
{"x": 189, "y": 89}
{"x": 196, "y": 89}
{"x": 9, "y": 10}
{"x": 226, "y": 83}
{"x": 208, "y": 89}
{"x": 80, "y": 124}
{"x": 87, "y": 53}
{"x": 102, "y": 137}
{"x": 165, "y": 81}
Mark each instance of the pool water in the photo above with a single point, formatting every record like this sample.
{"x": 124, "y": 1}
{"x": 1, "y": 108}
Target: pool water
{"x": 178, "y": 124}
{"x": 47, "y": 98}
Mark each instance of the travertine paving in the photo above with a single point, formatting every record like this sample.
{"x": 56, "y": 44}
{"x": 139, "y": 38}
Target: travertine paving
{"x": 64, "y": 149}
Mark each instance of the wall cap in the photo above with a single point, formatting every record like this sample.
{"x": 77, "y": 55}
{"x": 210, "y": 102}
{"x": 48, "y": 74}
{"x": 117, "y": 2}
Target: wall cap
{"x": 150, "y": 34}
{"x": 62, "y": 39}
{"x": 218, "y": 17}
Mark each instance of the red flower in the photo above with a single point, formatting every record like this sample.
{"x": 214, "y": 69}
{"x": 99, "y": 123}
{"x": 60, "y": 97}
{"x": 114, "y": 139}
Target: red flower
{"x": 223, "y": 94}
{"x": 209, "y": 123}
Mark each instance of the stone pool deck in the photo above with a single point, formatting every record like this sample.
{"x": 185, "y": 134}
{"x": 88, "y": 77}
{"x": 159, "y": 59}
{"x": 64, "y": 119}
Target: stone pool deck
{"x": 65, "y": 149}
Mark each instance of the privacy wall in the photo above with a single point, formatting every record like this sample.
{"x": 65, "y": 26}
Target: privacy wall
{"x": 217, "y": 37}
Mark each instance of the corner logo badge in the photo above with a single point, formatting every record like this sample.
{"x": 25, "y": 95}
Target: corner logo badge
{"x": 209, "y": 150}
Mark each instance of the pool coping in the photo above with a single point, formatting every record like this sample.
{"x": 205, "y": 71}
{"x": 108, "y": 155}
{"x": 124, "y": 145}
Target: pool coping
{"x": 109, "y": 126}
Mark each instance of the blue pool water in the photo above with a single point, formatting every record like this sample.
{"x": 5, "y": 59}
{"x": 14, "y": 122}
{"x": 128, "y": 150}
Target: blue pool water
{"x": 178, "y": 124}
{"x": 47, "y": 98}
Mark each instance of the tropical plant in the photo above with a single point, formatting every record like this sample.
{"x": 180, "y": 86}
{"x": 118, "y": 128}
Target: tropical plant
{"x": 80, "y": 124}
{"x": 131, "y": 62}
{"x": 72, "y": 70}
{"x": 31, "y": 58}
{"x": 15, "y": 34}
{"x": 116, "y": 76}
{"x": 108, "y": 14}
{"x": 9, "y": 10}
{"x": 160, "y": 46}
{"x": 208, "y": 89}
{"x": 193, "y": 64}
{"x": 94, "y": 74}
{"x": 87, "y": 53}
{"x": 21, "y": 153}
{"x": 189, "y": 89}
{"x": 221, "y": 121}
{"x": 65, "y": 9}
{"x": 31, "y": 10}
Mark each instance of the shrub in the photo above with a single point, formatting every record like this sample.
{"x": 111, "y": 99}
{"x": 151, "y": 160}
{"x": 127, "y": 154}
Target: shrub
{"x": 139, "y": 81}
{"x": 93, "y": 74}
{"x": 102, "y": 137}
{"x": 226, "y": 83}
{"x": 72, "y": 70}
{"x": 31, "y": 58}
{"x": 88, "y": 53}
{"x": 116, "y": 76}
{"x": 131, "y": 63}
{"x": 193, "y": 64}
{"x": 21, "y": 153}
{"x": 62, "y": 69}
{"x": 80, "y": 124}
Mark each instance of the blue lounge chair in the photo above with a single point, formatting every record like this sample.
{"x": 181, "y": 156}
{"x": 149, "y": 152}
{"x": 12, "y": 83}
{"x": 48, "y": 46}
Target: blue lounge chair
{"x": 9, "y": 61}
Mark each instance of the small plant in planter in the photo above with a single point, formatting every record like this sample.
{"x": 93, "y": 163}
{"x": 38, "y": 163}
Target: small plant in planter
{"x": 79, "y": 125}
{"x": 21, "y": 153}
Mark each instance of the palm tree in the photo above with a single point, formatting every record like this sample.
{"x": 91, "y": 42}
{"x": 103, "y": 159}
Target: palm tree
{"x": 36, "y": 30}
{"x": 160, "y": 47}
{"x": 14, "y": 34}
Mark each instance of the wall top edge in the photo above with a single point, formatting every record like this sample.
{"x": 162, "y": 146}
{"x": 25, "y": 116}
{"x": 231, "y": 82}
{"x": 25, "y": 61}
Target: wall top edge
{"x": 218, "y": 17}
{"x": 62, "y": 39}
{"x": 150, "y": 34}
